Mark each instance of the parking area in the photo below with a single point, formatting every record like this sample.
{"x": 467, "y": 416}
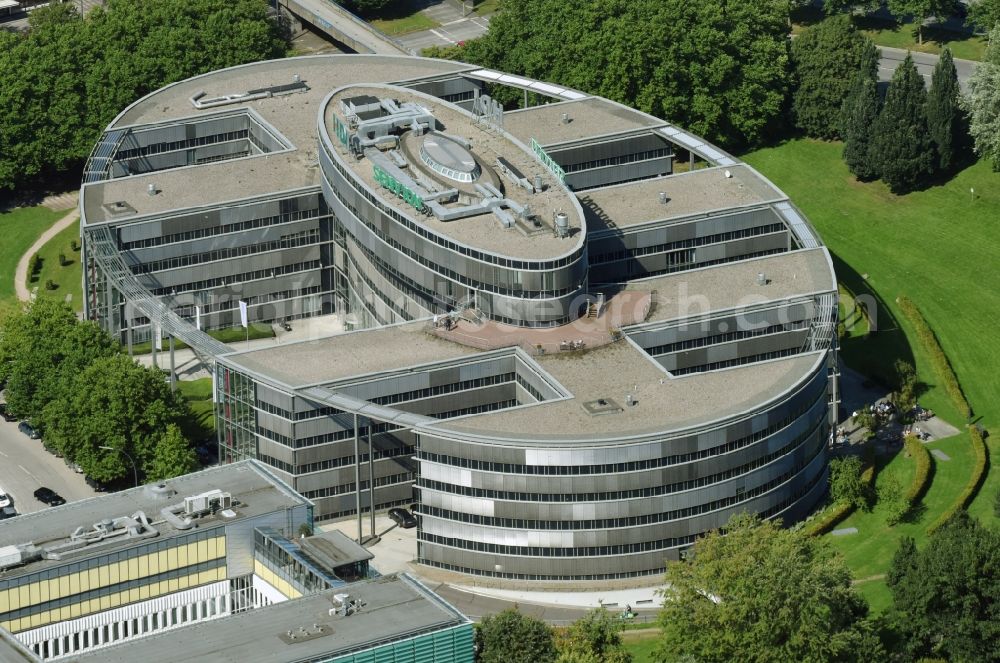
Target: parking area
{"x": 25, "y": 465}
{"x": 396, "y": 548}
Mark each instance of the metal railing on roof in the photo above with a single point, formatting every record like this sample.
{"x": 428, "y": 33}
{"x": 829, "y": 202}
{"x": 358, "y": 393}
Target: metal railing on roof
{"x": 98, "y": 166}
{"x": 160, "y": 313}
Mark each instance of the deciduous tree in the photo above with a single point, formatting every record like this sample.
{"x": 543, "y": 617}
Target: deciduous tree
{"x": 947, "y": 595}
{"x": 901, "y": 143}
{"x": 172, "y": 456}
{"x": 594, "y": 638}
{"x": 921, "y": 11}
{"x": 983, "y": 103}
{"x": 984, "y": 14}
{"x": 826, "y": 59}
{"x": 512, "y": 637}
{"x": 762, "y": 593}
{"x": 846, "y": 484}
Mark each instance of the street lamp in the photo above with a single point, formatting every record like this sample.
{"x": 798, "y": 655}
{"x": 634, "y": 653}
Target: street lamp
{"x": 135, "y": 472}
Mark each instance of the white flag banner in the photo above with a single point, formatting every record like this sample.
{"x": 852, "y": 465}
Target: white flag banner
{"x": 197, "y": 317}
{"x": 215, "y": 386}
{"x": 243, "y": 313}
{"x": 158, "y": 337}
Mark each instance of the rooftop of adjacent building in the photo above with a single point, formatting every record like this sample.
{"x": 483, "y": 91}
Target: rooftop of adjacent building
{"x": 611, "y": 371}
{"x": 588, "y": 117}
{"x": 257, "y": 490}
{"x": 395, "y": 607}
{"x": 482, "y": 231}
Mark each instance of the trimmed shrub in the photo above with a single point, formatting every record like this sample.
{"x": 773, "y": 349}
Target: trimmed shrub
{"x": 62, "y": 260}
{"x": 838, "y": 512}
{"x": 938, "y": 358}
{"x": 925, "y": 467}
{"x": 34, "y": 265}
{"x": 975, "y": 479}
{"x": 50, "y": 284}
{"x": 75, "y": 245}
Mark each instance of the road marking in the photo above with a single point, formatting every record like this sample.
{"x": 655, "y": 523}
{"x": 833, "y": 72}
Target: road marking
{"x": 29, "y": 473}
{"x": 457, "y": 20}
{"x": 4, "y": 455}
{"x": 441, "y": 36}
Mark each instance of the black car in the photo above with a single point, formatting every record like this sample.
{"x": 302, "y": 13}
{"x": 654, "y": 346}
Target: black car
{"x": 48, "y": 496}
{"x": 95, "y": 484}
{"x": 7, "y": 416}
{"x": 402, "y": 517}
{"x": 26, "y": 428}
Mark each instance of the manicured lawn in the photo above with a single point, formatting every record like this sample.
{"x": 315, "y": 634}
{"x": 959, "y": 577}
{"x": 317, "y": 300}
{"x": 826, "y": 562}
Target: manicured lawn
{"x": 199, "y": 395}
{"x": 232, "y": 335}
{"x": 938, "y": 246}
{"x": 641, "y": 644}
{"x": 896, "y": 35}
{"x": 67, "y": 278}
{"x": 19, "y": 228}
{"x": 406, "y": 17}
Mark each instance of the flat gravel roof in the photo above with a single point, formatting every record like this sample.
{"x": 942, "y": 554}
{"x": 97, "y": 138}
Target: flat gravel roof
{"x": 588, "y": 117}
{"x": 395, "y": 607}
{"x": 695, "y": 192}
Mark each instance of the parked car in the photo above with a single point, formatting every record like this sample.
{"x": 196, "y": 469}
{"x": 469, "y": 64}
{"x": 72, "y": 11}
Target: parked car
{"x": 7, "y": 512}
{"x": 95, "y": 484}
{"x": 402, "y": 517}
{"x": 52, "y": 450}
{"x": 73, "y": 466}
{"x": 7, "y": 416}
{"x": 48, "y": 496}
{"x": 26, "y": 428}
{"x": 4, "y": 499}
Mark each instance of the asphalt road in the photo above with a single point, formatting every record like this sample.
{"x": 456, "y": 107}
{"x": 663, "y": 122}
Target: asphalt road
{"x": 891, "y": 57}
{"x": 20, "y": 21}
{"x": 452, "y": 30}
{"x": 25, "y": 465}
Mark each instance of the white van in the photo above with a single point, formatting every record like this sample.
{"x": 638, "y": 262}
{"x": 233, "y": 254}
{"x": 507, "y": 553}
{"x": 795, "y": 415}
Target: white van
{"x": 4, "y": 499}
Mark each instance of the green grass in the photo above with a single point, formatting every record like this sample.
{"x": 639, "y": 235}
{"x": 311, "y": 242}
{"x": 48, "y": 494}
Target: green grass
{"x": 20, "y": 228}
{"x": 67, "y": 278}
{"x": 641, "y": 644}
{"x": 232, "y": 336}
{"x": 199, "y": 396}
{"x": 904, "y": 35}
{"x": 406, "y": 17}
{"x": 937, "y": 246}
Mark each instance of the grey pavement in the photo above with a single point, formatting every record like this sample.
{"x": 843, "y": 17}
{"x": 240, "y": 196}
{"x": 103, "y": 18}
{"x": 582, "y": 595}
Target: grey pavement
{"x": 453, "y": 28}
{"x": 326, "y": 15}
{"x": 25, "y": 465}
{"x": 20, "y": 21}
{"x": 892, "y": 57}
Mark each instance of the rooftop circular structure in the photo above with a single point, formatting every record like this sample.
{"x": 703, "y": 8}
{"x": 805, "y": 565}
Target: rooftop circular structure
{"x": 446, "y": 157}
{"x": 562, "y": 401}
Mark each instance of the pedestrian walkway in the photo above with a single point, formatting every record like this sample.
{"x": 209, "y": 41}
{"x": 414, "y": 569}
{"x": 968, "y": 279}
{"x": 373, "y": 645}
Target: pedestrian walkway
{"x": 21, "y": 273}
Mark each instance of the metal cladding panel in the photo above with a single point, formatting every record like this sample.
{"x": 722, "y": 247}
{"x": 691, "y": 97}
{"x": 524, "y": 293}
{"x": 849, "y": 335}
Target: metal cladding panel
{"x": 269, "y": 394}
{"x": 618, "y": 173}
{"x": 131, "y": 232}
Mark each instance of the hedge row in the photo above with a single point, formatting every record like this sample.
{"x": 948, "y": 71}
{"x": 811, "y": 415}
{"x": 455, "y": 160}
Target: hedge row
{"x": 938, "y": 358}
{"x": 839, "y": 512}
{"x": 922, "y": 477}
{"x": 975, "y": 479}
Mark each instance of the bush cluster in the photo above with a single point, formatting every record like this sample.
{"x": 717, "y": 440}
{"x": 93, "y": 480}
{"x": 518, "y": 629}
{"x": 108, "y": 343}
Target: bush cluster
{"x": 938, "y": 358}
{"x": 34, "y": 265}
{"x": 837, "y": 512}
{"x": 975, "y": 479}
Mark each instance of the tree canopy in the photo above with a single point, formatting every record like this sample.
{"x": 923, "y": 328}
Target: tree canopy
{"x": 947, "y": 595}
{"x": 761, "y": 593}
{"x": 984, "y": 14}
{"x": 67, "y": 77}
{"x": 512, "y": 637}
{"x": 846, "y": 484}
{"x": 716, "y": 67}
{"x": 945, "y": 119}
{"x": 901, "y": 143}
{"x": 826, "y": 60}
{"x": 594, "y": 638}
{"x": 921, "y": 10}
{"x": 858, "y": 114}
{"x": 982, "y": 103}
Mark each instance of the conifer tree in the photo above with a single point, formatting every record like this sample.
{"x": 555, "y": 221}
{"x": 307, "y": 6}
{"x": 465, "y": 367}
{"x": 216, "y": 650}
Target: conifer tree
{"x": 945, "y": 120}
{"x": 861, "y": 109}
{"x": 901, "y": 145}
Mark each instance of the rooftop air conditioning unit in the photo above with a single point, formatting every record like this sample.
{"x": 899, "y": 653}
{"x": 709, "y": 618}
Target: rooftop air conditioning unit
{"x": 213, "y": 500}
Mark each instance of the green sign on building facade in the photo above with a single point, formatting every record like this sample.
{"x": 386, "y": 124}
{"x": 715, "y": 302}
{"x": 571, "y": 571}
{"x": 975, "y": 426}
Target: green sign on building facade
{"x": 397, "y": 187}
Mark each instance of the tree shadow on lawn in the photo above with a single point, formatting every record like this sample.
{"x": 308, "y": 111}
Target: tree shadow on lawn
{"x": 874, "y": 353}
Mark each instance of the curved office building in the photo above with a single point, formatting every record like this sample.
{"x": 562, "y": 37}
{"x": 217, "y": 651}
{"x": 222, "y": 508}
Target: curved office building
{"x": 578, "y": 336}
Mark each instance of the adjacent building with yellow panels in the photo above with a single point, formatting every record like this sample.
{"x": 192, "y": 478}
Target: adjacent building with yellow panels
{"x": 96, "y": 579}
